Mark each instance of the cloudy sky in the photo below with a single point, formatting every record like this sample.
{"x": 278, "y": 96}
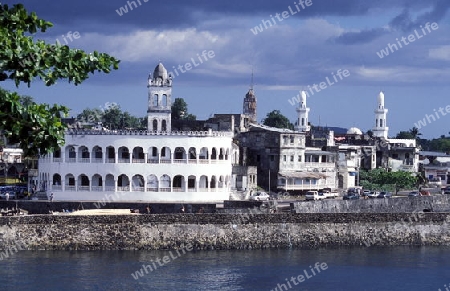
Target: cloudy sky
{"x": 300, "y": 47}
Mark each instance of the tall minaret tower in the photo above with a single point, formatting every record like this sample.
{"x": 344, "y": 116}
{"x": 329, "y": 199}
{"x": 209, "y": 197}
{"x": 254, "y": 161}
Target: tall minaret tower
{"x": 159, "y": 100}
{"x": 380, "y": 129}
{"x": 303, "y": 111}
{"x": 249, "y": 107}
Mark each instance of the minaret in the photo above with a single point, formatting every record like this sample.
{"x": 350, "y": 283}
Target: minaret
{"x": 380, "y": 129}
{"x": 249, "y": 107}
{"x": 303, "y": 111}
{"x": 159, "y": 100}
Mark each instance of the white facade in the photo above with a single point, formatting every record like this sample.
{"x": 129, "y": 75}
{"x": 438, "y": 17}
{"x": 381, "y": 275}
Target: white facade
{"x": 178, "y": 166}
{"x": 153, "y": 166}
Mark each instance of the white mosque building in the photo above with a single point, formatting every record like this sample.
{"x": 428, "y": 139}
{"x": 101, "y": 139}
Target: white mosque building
{"x": 156, "y": 165}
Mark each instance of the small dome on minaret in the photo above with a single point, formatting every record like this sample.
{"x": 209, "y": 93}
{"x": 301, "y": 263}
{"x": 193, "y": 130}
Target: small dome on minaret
{"x": 160, "y": 72}
{"x": 381, "y": 99}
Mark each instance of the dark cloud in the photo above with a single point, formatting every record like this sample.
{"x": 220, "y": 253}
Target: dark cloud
{"x": 360, "y": 37}
{"x": 181, "y": 13}
{"x": 404, "y": 21}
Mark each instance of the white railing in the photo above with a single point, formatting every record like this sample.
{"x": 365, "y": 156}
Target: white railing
{"x": 165, "y": 161}
{"x": 164, "y": 189}
{"x": 97, "y": 160}
{"x": 152, "y": 189}
{"x": 178, "y": 161}
{"x": 112, "y": 161}
{"x": 145, "y": 132}
{"x": 71, "y": 160}
{"x": 123, "y": 189}
{"x": 83, "y": 188}
{"x": 70, "y": 188}
{"x": 124, "y": 161}
{"x": 110, "y": 188}
{"x": 57, "y": 160}
{"x": 97, "y": 188}
{"x": 153, "y": 161}
{"x": 56, "y": 187}
{"x": 84, "y": 160}
{"x": 138, "y": 189}
{"x": 138, "y": 161}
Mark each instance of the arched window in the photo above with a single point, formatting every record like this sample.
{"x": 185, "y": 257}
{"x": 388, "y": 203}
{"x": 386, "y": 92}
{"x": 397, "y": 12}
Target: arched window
{"x": 164, "y": 100}
{"x": 164, "y": 125}
{"x": 155, "y": 100}
{"x": 155, "y": 125}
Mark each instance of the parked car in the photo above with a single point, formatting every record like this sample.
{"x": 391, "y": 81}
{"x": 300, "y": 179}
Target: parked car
{"x": 260, "y": 196}
{"x": 351, "y": 196}
{"x": 12, "y": 195}
{"x": 425, "y": 193}
{"x": 373, "y": 194}
{"x": 384, "y": 194}
{"x": 446, "y": 190}
{"x": 330, "y": 194}
{"x": 314, "y": 195}
{"x": 365, "y": 192}
{"x": 414, "y": 194}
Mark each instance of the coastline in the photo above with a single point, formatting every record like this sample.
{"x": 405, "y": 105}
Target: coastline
{"x": 223, "y": 231}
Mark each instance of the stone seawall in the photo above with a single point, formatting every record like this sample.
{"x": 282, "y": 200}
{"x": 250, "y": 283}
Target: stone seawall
{"x": 222, "y": 231}
{"x": 437, "y": 203}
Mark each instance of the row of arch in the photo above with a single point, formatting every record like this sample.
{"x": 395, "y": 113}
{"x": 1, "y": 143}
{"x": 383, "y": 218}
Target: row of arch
{"x": 139, "y": 183}
{"x": 138, "y": 155}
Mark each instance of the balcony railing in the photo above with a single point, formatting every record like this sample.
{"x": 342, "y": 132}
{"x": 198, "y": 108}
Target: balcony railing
{"x": 56, "y": 187}
{"x": 83, "y": 188}
{"x": 70, "y": 188}
{"x": 123, "y": 189}
{"x": 84, "y": 160}
{"x": 97, "y": 160}
{"x": 138, "y": 161}
{"x": 97, "y": 188}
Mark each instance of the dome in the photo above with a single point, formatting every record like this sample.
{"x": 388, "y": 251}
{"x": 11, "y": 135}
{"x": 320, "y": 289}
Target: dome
{"x": 160, "y": 72}
{"x": 381, "y": 98}
{"x": 303, "y": 94}
{"x": 354, "y": 130}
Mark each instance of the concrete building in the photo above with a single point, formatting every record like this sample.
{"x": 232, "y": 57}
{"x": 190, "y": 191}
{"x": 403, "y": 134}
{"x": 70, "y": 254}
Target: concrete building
{"x": 153, "y": 165}
{"x": 284, "y": 162}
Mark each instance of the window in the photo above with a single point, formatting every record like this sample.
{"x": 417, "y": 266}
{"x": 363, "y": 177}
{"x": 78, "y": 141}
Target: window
{"x": 272, "y": 158}
{"x": 155, "y": 100}
{"x": 299, "y": 158}
{"x": 292, "y": 139}
{"x": 284, "y": 158}
{"x": 292, "y": 158}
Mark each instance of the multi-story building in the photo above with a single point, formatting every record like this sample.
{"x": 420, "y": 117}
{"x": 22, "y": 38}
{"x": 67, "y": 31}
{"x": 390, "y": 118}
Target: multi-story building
{"x": 153, "y": 165}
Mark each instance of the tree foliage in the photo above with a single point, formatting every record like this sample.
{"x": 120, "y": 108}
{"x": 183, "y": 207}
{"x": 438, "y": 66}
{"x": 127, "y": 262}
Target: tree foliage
{"x": 278, "y": 120}
{"x": 112, "y": 118}
{"x": 380, "y": 179}
{"x": 37, "y": 128}
{"x": 180, "y": 110}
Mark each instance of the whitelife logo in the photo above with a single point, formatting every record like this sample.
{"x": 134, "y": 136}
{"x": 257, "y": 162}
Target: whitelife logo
{"x": 411, "y": 38}
{"x": 280, "y": 17}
